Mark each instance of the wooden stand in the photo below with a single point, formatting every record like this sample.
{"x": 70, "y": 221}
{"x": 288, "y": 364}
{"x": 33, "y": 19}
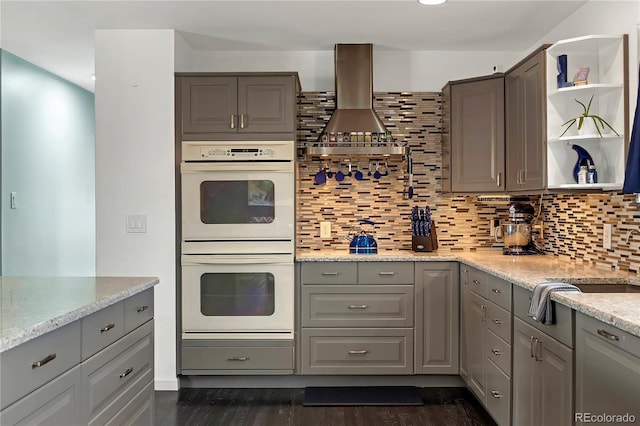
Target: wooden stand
{"x": 423, "y": 244}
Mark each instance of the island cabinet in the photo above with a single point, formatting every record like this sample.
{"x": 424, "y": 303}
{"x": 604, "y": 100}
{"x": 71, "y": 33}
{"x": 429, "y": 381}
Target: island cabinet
{"x": 607, "y": 372}
{"x": 485, "y": 356}
{"x": 437, "y": 318}
{"x": 95, "y": 370}
{"x": 473, "y": 135}
{"x": 542, "y": 365}
{"x": 213, "y": 105}
{"x": 525, "y": 99}
{"x": 357, "y": 317}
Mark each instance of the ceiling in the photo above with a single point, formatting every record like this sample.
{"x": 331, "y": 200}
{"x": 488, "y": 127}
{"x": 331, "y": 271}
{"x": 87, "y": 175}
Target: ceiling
{"x": 59, "y": 35}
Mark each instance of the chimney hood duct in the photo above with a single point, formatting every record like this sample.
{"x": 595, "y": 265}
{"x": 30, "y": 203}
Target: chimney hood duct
{"x": 354, "y": 91}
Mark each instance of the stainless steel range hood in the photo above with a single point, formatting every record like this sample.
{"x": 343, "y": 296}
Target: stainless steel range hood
{"x": 354, "y": 105}
{"x": 354, "y": 91}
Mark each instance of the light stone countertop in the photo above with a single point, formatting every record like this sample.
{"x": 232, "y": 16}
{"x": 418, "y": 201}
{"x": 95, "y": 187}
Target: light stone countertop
{"x": 33, "y": 306}
{"x": 619, "y": 310}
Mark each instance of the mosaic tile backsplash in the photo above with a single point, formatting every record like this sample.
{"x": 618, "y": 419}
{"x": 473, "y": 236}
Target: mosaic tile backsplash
{"x": 572, "y": 222}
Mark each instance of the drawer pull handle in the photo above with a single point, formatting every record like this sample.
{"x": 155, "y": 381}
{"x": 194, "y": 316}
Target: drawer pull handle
{"x": 142, "y": 308}
{"x": 358, "y": 306}
{"x": 476, "y": 282}
{"x": 126, "y": 372}
{"x": 496, "y": 352}
{"x": 43, "y": 361}
{"x": 361, "y": 352}
{"x": 496, "y": 290}
{"x": 496, "y": 394}
{"x": 238, "y": 358}
{"x": 386, "y": 273}
{"x": 329, "y": 273}
{"x": 232, "y": 122}
{"x": 532, "y": 342}
{"x": 107, "y": 327}
{"x": 496, "y": 321}
{"x": 607, "y": 335}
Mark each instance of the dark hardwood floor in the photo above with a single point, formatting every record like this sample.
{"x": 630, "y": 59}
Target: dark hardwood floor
{"x": 281, "y": 407}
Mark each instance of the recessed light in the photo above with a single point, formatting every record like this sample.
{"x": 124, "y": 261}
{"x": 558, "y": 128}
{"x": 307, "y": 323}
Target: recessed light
{"x": 431, "y": 2}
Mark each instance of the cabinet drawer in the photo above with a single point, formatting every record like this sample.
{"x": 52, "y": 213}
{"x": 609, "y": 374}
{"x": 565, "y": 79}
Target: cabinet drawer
{"x": 499, "y": 321}
{"x": 126, "y": 366}
{"x": 138, "y": 309}
{"x": 608, "y": 333}
{"x": 34, "y": 363}
{"x": 478, "y": 281}
{"x": 59, "y": 402}
{"x": 499, "y": 292}
{"x": 357, "y": 306}
{"x": 499, "y": 352}
{"x": 385, "y": 273}
{"x": 330, "y": 273}
{"x": 561, "y": 329}
{"x": 498, "y": 394}
{"x": 101, "y": 329}
{"x": 357, "y": 351}
{"x": 237, "y": 359}
{"x": 138, "y": 411}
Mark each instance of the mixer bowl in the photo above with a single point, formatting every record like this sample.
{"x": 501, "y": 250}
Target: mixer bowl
{"x": 515, "y": 234}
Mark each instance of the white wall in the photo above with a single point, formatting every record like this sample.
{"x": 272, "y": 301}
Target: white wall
{"x": 393, "y": 70}
{"x": 135, "y": 171}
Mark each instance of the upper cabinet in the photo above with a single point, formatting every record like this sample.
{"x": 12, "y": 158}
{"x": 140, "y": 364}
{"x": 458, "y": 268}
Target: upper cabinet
{"x": 215, "y": 106}
{"x": 606, "y": 88}
{"x": 473, "y": 135}
{"x": 525, "y": 124}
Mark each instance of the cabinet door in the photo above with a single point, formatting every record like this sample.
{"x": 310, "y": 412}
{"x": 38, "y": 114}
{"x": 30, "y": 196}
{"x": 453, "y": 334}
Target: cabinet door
{"x": 525, "y": 126}
{"x": 475, "y": 335}
{"x": 607, "y": 370}
{"x": 59, "y": 402}
{"x": 266, "y": 104}
{"x": 437, "y": 318}
{"x": 555, "y": 374}
{"x": 477, "y": 135}
{"x": 209, "y": 104}
{"x": 525, "y": 381}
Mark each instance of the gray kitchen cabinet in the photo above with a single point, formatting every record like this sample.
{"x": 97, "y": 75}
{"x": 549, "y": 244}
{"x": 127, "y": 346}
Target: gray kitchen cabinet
{"x": 485, "y": 344}
{"x": 607, "y": 370}
{"x": 525, "y": 94}
{"x": 224, "y": 104}
{"x": 542, "y": 378}
{"x": 437, "y": 318}
{"x": 473, "y": 147}
{"x": 357, "y": 317}
{"x": 47, "y": 380}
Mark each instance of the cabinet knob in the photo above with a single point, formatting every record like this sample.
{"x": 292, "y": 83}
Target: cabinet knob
{"x": 496, "y": 394}
{"x": 496, "y": 290}
{"x": 496, "y": 352}
{"x": 477, "y": 282}
{"x": 142, "y": 308}
{"x": 496, "y": 321}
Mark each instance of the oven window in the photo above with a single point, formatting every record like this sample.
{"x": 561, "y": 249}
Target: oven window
{"x": 237, "y": 294}
{"x": 237, "y": 201}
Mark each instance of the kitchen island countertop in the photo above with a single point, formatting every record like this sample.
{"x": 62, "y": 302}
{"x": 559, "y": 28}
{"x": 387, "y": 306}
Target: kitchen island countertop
{"x": 33, "y": 306}
{"x": 619, "y": 310}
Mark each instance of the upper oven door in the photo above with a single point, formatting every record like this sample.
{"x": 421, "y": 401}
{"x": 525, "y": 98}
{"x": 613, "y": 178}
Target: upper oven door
{"x": 239, "y": 201}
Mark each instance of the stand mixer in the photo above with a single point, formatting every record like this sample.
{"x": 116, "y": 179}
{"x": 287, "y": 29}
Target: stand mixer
{"x": 516, "y": 231}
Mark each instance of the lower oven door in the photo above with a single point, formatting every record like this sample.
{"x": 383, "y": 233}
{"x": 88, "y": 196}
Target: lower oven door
{"x": 236, "y": 295}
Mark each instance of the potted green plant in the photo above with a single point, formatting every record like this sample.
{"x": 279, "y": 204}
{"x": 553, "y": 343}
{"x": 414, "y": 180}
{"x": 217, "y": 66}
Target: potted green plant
{"x": 598, "y": 121}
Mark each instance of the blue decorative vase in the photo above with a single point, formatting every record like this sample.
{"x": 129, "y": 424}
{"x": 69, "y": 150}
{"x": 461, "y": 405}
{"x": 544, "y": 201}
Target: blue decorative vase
{"x": 562, "y": 71}
{"x": 583, "y": 158}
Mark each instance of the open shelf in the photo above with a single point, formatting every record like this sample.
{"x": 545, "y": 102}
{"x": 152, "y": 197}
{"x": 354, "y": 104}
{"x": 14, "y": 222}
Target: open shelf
{"x": 591, "y": 186}
{"x": 585, "y": 138}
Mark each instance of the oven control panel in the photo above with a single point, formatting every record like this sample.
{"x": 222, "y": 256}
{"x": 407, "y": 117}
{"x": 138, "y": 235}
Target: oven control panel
{"x": 238, "y": 151}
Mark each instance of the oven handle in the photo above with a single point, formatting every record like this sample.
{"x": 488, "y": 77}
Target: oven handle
{"x": 217, "y": 166}
{"x": 209, "y": 259}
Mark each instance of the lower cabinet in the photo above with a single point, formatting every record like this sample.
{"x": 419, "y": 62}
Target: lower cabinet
{"x": 607, "y": 373}
{"x": 112, "y": 384}
{"x": 542, "y": 378}
{"x": 485, "y": 330}
{"x": 437, "y": 318}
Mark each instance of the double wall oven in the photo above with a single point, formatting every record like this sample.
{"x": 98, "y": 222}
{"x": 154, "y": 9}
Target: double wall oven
{"x": 238, "y": 227}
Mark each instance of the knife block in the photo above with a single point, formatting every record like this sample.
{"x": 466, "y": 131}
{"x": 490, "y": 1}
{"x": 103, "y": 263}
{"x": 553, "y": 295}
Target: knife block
{"x": 424, "y": 244}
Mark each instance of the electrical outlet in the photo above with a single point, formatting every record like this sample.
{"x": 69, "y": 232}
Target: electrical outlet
{"x": 606, "y": 236}
{"x": 542, "y": 230}
{"x": 14, "y": 200}
{"x": 325, "y": 230}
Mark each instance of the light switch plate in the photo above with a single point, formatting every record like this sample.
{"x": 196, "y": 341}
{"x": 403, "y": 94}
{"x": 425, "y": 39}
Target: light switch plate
{"x": 325, "y": 230}
{"x": 136, "y": 223}
{"x": 606, "y": 236}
